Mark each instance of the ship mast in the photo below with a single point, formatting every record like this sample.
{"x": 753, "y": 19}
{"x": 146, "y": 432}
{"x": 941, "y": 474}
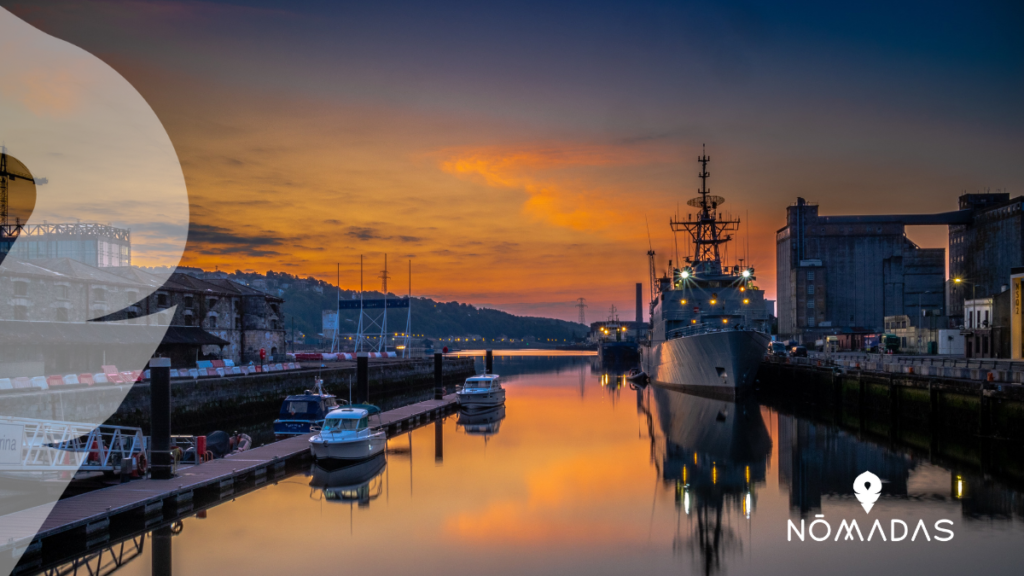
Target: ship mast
{"x": 707, "y": 231}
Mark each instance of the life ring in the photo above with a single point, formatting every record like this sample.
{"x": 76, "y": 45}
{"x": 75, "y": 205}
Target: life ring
{"x": 141, "y": 466}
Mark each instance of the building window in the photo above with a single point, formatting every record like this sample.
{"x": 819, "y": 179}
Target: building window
{"x": 212, "y": 321}
{"x": 161, "y": 299}
{"x": 810, "y": 288}
{"x": 188, "y": 320}
{"x": 62, "y": 314}
{"x": 188, "y": 301}
{"x": 62, "y": 292}
{"x": 810, "y": 321}
{"x": 211, "y": 303}
{"x": 21, "y": 288}
{"x": 810, "y": 276}
{"x": 810, "y": 303}
{"x": 20, "y": 313}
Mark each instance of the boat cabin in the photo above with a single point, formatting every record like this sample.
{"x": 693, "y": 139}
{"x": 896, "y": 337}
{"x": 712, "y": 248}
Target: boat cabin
{"x": 485, "y": 382}
{"x": 349, "y": 419}
{"x": 307, "y": 407}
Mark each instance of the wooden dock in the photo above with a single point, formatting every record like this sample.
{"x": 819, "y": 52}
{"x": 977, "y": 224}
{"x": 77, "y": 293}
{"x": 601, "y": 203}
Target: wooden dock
{"x": 146, "y": 501}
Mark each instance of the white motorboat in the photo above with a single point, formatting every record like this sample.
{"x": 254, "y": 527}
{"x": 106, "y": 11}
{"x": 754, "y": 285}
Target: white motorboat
{"x": 481, "y": 392}
{"x": 346, "y": 435}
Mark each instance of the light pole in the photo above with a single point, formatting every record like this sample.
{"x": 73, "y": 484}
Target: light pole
{"x": 974, "y": 291}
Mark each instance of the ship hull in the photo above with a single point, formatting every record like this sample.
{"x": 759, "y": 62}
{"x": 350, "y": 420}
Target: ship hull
{"x": 714, "y": 365}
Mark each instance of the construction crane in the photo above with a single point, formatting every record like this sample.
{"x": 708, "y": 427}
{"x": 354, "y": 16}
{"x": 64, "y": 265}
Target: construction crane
{"x": 9, "y": 171}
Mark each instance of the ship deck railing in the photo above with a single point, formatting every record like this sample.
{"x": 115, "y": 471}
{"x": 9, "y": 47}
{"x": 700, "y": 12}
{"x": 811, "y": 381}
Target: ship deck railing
{"x": 705, "y": 328}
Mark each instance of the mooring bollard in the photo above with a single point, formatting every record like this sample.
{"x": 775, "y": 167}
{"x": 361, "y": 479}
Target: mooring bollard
{"x": 363, "y": 373}
{"x": 489, "y": 362}
{"x": 438, "y": 376}
{"x": 160, "y": 415}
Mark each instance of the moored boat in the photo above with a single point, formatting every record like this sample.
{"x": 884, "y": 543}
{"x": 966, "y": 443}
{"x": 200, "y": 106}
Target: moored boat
{"x": 482, "y": 391}
{"x": 300, "y": 413}
{"x": 347, "y": 436}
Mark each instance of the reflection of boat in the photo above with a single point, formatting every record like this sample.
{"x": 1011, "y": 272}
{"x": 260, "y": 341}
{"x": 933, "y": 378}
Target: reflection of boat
{"x": 300, "y": 412}
{"x": 347, "y": 435}
{"x": 350, "y": 483}
{"x": 714, "y": 453}
{"x": 481, "y": 391}
{"x": 481, "y": 423}
{"x": 708, "y": 321}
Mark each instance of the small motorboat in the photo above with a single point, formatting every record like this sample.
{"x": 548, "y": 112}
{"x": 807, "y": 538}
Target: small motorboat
{"x": 483, "y": 391}
{"x": 301, "y": 413}
{"x": 347, "y": 436}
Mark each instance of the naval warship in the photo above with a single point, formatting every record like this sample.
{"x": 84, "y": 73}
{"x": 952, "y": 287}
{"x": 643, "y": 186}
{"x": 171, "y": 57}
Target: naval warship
{"x": 709, "y": 326}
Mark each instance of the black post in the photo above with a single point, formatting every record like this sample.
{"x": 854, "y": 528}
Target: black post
{"x": 363, "y": 373}
{"x": 160, "y": 419}
{"x": 438, "y": 377}
{"x": 489, "y": 362}
{"x": 162, "y": 550}
{"x": 439, "y": 440}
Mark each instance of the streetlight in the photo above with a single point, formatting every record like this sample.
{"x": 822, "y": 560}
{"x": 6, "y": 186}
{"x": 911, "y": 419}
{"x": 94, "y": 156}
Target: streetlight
{"x": 974, "y": 292}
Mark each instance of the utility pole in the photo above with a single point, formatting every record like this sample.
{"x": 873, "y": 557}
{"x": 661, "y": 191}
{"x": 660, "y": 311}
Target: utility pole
{"x": 581, "y": 304}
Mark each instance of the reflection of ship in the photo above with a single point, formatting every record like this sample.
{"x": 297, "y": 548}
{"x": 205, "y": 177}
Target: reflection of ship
{"x": 715, "y": 453}
{"x": 708, "y": 321}
{"x": 356, "y": 483}
{"x": 484, "y": 423}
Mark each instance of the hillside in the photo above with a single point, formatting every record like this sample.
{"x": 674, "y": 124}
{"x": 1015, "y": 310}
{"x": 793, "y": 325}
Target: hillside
{"x": 307, "y": 298}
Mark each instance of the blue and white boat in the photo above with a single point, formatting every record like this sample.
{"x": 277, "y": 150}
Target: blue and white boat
{"x": 347, "y": 435}
{"x": 484, "y": 391}
{"x": 302, "y": 413}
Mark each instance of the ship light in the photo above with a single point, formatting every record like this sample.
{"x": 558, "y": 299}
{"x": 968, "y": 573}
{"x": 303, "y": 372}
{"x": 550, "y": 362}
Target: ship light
{"x": 683, "y": 301}
{"x": 713, "y": 301}
{"x": 746, "y": 273}
{"x": 743, "y": 289}
{"x": 684, "y": 274}
{"x": 725, "y": 320}
{"x": 746, "y": 300}
{"x": 694, "y": 321}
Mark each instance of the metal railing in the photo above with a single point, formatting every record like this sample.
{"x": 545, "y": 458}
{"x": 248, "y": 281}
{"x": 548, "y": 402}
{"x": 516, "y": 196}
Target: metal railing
{"x": 55, "y": 446}
{"x": 706, "y": 328}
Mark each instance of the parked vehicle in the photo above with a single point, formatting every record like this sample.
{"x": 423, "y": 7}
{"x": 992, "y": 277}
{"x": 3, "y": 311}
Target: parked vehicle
{"x": 777, "y": 350}
{"x": 798, "y": 352}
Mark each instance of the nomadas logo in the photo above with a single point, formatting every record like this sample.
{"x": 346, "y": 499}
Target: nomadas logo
{"x": 867, "y": 488}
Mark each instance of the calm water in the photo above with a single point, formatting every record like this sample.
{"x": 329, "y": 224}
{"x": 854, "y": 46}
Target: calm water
{"x": 580, "y": 474}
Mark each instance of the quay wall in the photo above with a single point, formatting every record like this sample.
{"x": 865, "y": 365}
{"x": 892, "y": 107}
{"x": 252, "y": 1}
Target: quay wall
{"x": 199, "y": 406}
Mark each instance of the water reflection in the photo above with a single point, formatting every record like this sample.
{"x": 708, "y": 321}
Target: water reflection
{"x": 567, "y": 489}
{"x": 484, "y": 423}
{"x": 715, "y": 455}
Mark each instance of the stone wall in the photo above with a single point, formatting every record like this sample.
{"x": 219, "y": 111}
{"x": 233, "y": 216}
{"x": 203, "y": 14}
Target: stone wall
{"x": 199, "y": 406}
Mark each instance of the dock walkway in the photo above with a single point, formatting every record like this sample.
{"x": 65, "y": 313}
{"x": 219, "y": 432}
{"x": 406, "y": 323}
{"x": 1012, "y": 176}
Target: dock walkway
{"x": 92, "y": 512}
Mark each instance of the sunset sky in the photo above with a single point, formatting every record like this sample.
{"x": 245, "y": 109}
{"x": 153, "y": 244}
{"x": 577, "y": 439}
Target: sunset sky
{"x": 514, "y": 152}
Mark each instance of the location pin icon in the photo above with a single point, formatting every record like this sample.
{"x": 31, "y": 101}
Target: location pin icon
{"x": 867, "y": 488}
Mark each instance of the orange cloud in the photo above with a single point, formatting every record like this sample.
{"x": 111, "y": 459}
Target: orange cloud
{"x": 559, "y": 179}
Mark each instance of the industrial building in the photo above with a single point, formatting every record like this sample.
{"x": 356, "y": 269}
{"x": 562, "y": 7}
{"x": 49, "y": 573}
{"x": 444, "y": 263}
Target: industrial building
{"x": 845, "y": 274}
{"x": 860, "y": 274}
{"x": 47, "y": 306}
{"x": 97, "y": 245}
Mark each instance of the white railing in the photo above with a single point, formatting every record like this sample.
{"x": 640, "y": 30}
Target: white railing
{"x": 30, "y": 445}
{"x": 706, "y": 328}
